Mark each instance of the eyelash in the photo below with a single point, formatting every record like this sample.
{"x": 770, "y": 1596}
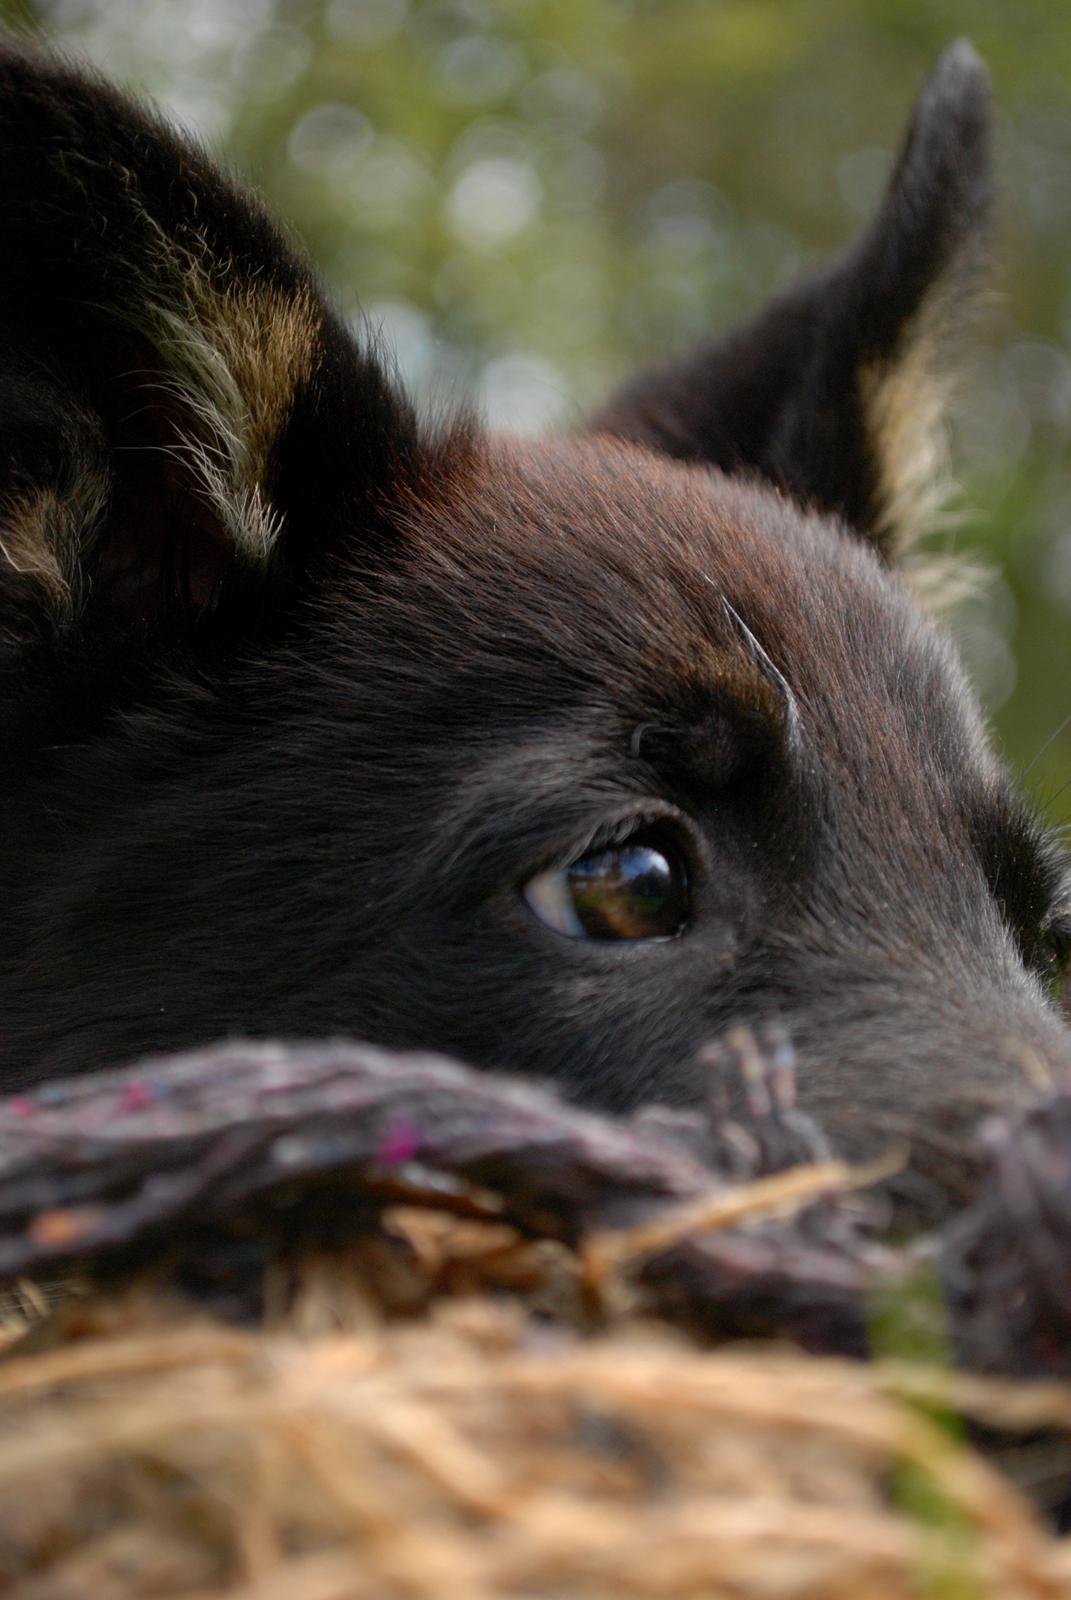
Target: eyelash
{"x": 616, "y": 831}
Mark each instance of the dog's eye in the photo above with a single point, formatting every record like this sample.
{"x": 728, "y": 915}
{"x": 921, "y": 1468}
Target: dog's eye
{"x": 634, "y": 890}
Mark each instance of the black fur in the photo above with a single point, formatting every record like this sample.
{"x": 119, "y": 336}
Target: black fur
{"x": 292, "y": 780}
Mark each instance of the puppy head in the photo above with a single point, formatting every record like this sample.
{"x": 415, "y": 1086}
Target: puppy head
{"x": 559, "y": 756}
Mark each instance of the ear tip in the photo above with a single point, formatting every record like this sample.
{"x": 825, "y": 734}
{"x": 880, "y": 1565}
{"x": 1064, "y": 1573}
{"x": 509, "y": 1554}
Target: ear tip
{"x": 960, "y": 63}
{"x": 943, "y": 180}
{"x": 955, "y": 103}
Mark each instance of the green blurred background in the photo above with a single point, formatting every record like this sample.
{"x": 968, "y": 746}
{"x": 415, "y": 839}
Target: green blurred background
{"x": 530, "y": 197}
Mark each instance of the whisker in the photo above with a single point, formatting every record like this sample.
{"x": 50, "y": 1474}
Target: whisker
{"x": 1053, "y": 736}
{"x": 1052, "y": 798}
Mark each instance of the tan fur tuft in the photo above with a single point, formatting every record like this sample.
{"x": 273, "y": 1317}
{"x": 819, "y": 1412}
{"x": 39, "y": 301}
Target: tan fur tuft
{"x": 233, "y": 359}
{"x": 942, "y": 581}
{"x": 43, "y": 534}
{"x": 906, "y": 403}
{"x": 236, "y": 359}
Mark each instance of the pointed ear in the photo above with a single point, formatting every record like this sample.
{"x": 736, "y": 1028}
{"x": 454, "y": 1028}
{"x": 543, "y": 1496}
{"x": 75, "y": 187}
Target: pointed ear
{"x": 183, "y": 423}
{"x": 835, "y": 392}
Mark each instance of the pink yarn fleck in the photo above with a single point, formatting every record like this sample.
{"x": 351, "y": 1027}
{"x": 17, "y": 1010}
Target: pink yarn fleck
{"x": 136, "y": 1096}
{"x": 400, "y": 1143}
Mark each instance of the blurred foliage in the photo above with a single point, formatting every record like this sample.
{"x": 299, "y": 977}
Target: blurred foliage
{"x": 532, "y": 196}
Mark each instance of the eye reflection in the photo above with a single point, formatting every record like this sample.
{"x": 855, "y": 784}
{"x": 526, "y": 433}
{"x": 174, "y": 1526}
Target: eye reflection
{"x": 635, "y": 890}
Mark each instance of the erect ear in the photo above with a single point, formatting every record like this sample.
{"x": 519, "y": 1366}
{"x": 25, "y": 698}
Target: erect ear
{"x": 182, "y": 420}
{"x": 835, "y": 392}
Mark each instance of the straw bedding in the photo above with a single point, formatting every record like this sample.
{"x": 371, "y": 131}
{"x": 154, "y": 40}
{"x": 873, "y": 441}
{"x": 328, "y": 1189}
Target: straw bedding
{"x": 391, "y": 1375}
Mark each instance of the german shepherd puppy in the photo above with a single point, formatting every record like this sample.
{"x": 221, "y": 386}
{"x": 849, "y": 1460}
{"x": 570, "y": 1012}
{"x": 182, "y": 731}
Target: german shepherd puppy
{"x": 557, "y": 756}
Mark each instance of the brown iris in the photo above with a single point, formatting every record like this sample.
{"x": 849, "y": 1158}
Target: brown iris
{"x": 634, "y": 890}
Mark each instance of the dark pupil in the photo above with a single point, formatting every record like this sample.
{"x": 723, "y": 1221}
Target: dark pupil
{"x": 631, "y": 892}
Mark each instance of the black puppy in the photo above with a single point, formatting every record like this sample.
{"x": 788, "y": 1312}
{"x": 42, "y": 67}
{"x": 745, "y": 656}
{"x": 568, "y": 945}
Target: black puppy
{"x": 561, "y": 756}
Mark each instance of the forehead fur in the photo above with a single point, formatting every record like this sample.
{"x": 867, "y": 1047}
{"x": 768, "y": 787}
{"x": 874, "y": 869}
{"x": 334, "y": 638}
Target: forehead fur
{"x": 598, "y": 559}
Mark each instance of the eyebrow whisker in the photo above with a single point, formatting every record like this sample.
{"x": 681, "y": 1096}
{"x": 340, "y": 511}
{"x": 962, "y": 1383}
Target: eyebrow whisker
{"x": 793, "y": 724}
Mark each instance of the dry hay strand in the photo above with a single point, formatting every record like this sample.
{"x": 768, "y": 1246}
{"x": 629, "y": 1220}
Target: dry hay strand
{"x": 275, "y": 1378}
{"x": 486, "y": 1450}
